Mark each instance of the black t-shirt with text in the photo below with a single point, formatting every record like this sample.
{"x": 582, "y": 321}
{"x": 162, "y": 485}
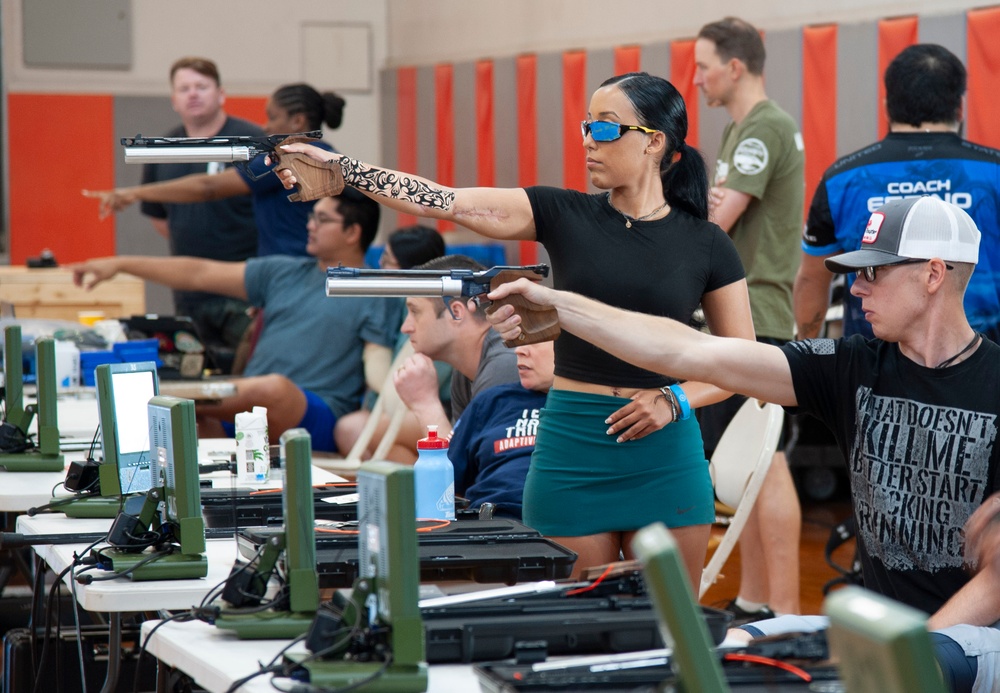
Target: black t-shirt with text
{"x": 921, "y": 448}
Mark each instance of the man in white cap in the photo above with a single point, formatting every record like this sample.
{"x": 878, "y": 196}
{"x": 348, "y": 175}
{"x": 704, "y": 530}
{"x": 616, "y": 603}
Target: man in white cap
{"x": 914, "y": 411}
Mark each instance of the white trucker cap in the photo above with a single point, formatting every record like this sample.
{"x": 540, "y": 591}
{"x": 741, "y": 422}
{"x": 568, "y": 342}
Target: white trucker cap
{"x": 918, "y": 228}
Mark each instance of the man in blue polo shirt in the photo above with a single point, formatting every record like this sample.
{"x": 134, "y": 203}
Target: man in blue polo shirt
{"x": 923, "y": 154}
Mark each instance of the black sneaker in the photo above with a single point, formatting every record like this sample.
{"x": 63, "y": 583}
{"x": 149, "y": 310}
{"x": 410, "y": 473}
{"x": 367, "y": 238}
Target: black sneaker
{"x": 741, "y": 617}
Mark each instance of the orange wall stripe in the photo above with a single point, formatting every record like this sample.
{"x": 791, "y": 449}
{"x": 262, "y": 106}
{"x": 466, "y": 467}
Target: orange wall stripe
{"x": 445, "y": 113}
{"x": 527, "y": 120}
{"x": 526, "y": 67}
{"x": 574, "y": 110}
{"x": 682, "y": 77}
{"x": 894, "y": 35}
{"x": 248, "y": 108}
{"x": 485, "y": 127}
{"x": 983, "y": 60}
{"x": 46, "y": 207}
{"x": 406, "y": 127}
{"x": 819, "y": 98}
{"x": 627, "y": 59}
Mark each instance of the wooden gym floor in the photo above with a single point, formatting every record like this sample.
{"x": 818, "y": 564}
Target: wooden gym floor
{"x": 818, "y": 518}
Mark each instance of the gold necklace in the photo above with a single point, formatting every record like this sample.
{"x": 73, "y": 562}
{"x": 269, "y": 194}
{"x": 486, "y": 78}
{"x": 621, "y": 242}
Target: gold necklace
{"x": 628, "y": 219}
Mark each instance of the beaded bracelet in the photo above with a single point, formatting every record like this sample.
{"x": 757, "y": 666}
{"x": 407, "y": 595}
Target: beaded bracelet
{"x": 682, "y": 402}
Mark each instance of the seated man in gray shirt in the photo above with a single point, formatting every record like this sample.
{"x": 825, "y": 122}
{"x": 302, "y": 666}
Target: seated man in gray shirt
{"x": 446, "y": 330}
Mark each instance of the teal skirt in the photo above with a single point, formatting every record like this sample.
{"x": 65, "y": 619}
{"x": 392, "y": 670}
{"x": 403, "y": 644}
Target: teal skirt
{"x": 582, "y": 482}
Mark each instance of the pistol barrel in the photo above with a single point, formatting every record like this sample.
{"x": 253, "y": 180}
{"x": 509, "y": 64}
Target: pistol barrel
{"x": 181, "y": 154}
{"x": 379, "y": 286}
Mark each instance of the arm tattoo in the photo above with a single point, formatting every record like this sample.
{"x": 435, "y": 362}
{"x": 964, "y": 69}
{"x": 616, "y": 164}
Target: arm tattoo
{"x": 398, "y": 186}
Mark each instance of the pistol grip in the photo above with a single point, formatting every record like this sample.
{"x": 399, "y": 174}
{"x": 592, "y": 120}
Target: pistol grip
{"x": 538, "y": 323}
{"x": 313, "y": 179}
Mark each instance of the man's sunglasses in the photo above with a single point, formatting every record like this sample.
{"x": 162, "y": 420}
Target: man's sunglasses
{"x": 606, "y": 131}
{"x": 869, "y": 273}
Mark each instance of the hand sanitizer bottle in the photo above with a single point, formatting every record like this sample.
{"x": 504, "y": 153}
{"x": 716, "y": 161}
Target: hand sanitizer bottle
{"x": 434, "y": 478}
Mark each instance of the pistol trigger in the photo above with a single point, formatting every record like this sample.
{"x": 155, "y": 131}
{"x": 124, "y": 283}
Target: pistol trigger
{"x": 481, "y": 301}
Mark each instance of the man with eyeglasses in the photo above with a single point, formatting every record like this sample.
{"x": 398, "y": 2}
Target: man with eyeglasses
{"x": 923, "y": 153}
{"x": 315, "y": 354}
{"x": 915, "y": 413}
{"x": 758, "y": 198}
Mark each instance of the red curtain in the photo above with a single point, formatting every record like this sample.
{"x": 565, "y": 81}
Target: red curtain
{"x": 527, "y": 137}
{"x": 894, "y": 35}
{"x": 485, "y": 129}
{"x": 574, "y": 110}
{"x": 983, "y": 60}
{"x": 406, "y": 125}
{"x": 627, "y": 59}
{"x": 445, "y": 115}
{"x": 682, "y": 77}
{"x": 819, "y": 98}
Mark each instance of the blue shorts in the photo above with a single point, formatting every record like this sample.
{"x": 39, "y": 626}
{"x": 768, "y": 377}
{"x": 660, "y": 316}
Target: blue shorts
{"x": 319, "y": 420}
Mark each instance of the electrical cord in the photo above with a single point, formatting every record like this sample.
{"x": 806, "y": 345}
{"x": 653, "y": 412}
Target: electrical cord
{"x": 37, "y": 589}
{"x": 768, "y": 661}
{"x": 269, "y": 668}
{"x": 301, "y": 687}
{"x": 181, "y": 617}
{"x": 51, "y": 603}
{"x": 48, "y": 625}
{"x": 202, "y": 612}
{"x": 93, "y": 443}
{"x": 145, "y": 540}
{"x": 594, "y": 584}
{"x": 273, "y": 667}
{"x": 353, "y": 632}
{"x": 138, "y": 543}
{"x": 88, "y": 579}
{"x": 78, "y": 631}
{"x": 85, "y": 492}
{"x": 91, "y": 563}
{"x": 209, "y": 614}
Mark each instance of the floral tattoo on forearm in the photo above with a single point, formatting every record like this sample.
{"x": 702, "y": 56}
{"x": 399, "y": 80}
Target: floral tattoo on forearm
{"x": 395, "y": 185}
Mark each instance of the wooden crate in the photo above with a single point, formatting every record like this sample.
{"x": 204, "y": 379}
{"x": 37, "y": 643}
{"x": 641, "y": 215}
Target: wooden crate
{"x": 50, "y": 293}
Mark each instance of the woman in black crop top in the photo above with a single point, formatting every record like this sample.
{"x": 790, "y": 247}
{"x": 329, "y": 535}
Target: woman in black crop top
{"x": 617, "y": 448}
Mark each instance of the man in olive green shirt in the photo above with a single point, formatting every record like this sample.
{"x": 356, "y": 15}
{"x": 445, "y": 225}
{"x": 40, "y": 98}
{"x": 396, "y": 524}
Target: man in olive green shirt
{"x": 757, "y": 197}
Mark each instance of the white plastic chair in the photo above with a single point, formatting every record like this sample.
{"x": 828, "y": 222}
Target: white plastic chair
{"x": 388, "y": 404}
{"x": 738, "y": 468}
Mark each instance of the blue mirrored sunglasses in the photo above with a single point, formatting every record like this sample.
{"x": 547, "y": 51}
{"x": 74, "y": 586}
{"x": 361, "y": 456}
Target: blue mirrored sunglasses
{"x": 606, "y": 131}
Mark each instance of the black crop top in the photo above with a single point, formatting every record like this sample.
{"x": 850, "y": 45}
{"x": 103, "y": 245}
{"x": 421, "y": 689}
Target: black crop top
{"x": 660, "y": 267}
